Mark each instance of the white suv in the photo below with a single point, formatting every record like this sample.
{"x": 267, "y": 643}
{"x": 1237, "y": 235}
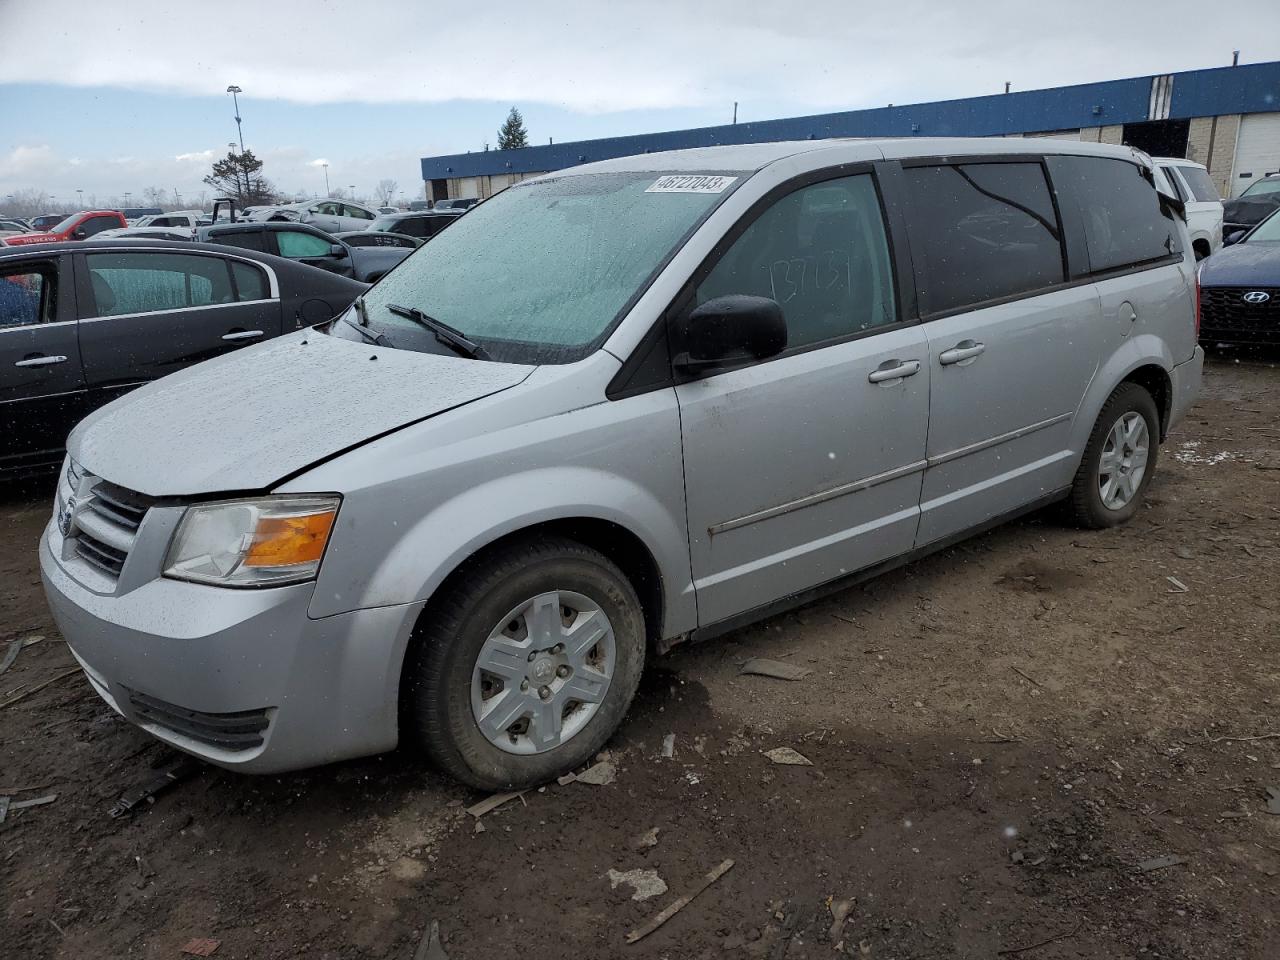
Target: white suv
{"x": 1191, "y": 183}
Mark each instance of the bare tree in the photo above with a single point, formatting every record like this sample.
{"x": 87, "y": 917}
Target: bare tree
{"x": 155, "y": 197}
{"x": 386, "y": 191}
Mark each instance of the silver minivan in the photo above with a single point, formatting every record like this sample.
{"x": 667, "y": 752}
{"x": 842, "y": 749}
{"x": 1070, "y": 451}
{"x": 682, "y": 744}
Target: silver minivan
{"x": 611, "y": 409}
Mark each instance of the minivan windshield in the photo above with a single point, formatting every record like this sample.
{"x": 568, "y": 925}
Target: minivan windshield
{"x": 542, "y": 271}
{"x": 1268, "y": 231}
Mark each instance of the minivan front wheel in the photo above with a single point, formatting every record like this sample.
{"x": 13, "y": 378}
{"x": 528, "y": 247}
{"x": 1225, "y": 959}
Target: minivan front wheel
{"x": 1119, "y": 460}
{"x": 526, "y": 664}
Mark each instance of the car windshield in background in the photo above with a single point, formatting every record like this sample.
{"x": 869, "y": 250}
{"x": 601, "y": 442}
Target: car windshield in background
{"x": 1262, "y": 187}
{"x": 1201, "y": 184}
{"x": 1268, "y": 231}
{"x": 64, "y": 224}
{"x": 540, "y": 273}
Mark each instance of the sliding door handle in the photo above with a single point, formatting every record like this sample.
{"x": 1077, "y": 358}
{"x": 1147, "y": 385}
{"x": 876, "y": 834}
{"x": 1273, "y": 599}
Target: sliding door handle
{"x": 894, "y": 370}
{"x": 963, "y": 351}
{"x": 242, "y": 335}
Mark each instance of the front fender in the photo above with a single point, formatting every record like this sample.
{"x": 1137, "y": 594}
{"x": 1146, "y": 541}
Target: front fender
{"x": 435, "y": 544}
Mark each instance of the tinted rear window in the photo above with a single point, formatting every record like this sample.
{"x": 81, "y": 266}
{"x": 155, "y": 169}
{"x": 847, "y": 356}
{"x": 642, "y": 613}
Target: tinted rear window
{"x": 248, "y": 239}
{"x": 981, "y": 231}
{"x": 1201, "y": 184}
{"x": 1121, "y": 215}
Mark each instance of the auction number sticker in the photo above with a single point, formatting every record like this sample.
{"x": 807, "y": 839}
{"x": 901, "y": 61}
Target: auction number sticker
{"x": 690, "y": 184}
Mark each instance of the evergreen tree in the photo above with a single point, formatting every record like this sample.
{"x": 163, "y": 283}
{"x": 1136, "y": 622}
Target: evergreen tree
{"x": 512, "y": 134}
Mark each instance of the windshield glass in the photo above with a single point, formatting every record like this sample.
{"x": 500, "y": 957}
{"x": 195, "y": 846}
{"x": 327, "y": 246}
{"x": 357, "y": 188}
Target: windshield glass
{"x": 540, "y": 273}
{"x": 1268, "y": 231}
{"x": 64, "y": 224}
{"x": 1262, "y": 186}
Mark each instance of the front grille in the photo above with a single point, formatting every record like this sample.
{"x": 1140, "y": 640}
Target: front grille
{"x": 1223, "y": 311}
{"x": 241, "y": 730}
{"x": 103, "y": 518}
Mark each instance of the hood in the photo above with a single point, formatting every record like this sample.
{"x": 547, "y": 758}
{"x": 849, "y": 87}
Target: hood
{"x": 246, "y": 420}
{"x": 1249, "y": 210}
{"x": 1249, "y": 264}
{"x": 23, "y": 239}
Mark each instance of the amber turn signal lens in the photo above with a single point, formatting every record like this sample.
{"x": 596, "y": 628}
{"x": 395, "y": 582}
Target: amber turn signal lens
{"x": 286, "y": 541}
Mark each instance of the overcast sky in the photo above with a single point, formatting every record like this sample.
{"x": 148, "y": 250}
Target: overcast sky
{"x": 115, "y": 95}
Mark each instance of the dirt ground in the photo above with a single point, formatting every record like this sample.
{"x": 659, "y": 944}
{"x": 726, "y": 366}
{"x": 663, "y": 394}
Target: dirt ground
{"x": 1000, "y": 738}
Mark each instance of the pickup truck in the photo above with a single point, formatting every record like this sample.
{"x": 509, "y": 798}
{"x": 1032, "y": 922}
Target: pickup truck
{"x": 76, "y": 226}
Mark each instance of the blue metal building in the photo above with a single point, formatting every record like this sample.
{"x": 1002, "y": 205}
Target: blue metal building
{"x": 1227, "y": 118}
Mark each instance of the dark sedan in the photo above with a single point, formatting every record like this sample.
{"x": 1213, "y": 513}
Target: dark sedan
{"x": 1251, "y": 207}
{"x": 307, "y": 244}
{"x": 82, "y": 323}
{"x": 424, "y": 225}
{"x": 1240, "y": 289}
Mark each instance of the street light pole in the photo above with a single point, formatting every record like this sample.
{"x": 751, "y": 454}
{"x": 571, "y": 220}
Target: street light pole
{"x": 234, "y": 90}
{"x": 352, "y": 188}
{"x": 326, "y": 178}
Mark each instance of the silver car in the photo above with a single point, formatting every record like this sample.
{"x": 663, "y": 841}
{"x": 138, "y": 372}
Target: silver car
{"x": 609, "y": 410}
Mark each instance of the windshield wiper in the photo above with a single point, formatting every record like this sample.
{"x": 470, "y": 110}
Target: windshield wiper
{"x": 362, "y": 327}
{"x": 449, "y": 336}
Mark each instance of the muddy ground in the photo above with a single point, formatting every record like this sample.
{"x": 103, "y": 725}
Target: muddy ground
{"x": 1000, "y": 737}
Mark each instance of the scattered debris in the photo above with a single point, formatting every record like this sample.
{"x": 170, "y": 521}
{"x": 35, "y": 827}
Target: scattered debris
{"x": 54, "y": 923}
{"x": 1159, "y": 863}
{"x": 600, "y": 775}
{"x": 15, "y": 647}
{"x": 1041, "y": 943}
{"x": 1273, "y": 800}
{"x": 763, "y": 667}
{"x": 646, "y": 840}
{"x": 1029, "y": 679}
{"x": 669, "y": 746}
{"x": 430, "y": 948}
{"x": 1184, "y": 553}
{"x": 644, "y": 882}
{"x": 849, "y": 620}
{"x": 4, "y": 808}
{"x": 479, "y": 826}
{"x": 643, "y": 931}
{"x": 567, "y": 779}
{"x": 201, "y": 947}
{"x": 1178, "y": 585}
{"x": 787, "y": 756}
{"x": 38, "y": 687}
{"x": 37, "y": 802}
{"x": 165, "y": 778}
{"x": 489, "y": 804}
{"x": 839, "y": 911}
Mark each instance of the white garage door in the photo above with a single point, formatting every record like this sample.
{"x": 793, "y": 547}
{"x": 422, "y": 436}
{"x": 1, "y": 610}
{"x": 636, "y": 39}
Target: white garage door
{"x": 1257, "y": 150}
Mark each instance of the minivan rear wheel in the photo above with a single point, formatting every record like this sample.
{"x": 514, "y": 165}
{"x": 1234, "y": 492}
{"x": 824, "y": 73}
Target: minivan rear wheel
{"x": 1119, "y": 459}
{"x": 526, "y": 664}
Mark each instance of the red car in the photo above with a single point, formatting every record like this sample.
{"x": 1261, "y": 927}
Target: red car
{"x": 77, "y": 226}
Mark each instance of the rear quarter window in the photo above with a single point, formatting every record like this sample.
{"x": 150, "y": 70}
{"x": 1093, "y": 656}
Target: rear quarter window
{"x": 1123, "y": 220}
{"x": 1201, "y": 184}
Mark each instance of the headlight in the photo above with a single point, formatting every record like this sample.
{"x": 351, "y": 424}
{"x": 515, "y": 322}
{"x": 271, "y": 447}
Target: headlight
{"x": 252, "y": 543}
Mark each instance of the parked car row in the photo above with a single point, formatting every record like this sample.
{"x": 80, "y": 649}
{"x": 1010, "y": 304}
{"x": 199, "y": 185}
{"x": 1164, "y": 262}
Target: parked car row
{"x": 82, "y": 323}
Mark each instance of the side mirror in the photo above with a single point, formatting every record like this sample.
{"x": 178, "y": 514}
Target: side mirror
{"x": 337, "y": 250}
{"x": 1235, "y": 236}
{"x": 732, "y": 329}
{"x": 79, "y": 233}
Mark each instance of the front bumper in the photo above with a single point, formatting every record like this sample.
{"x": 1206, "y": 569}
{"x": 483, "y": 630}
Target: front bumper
{"x": 294, "y": 691}
{"x": 1185, "y": 378}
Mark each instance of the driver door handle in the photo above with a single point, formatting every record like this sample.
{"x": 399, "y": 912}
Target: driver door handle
{"x": 894, "y": 370}
{"x": 242, "y": 335}
{"x": 962, "y": 351}
{"x": 39, "y": 361}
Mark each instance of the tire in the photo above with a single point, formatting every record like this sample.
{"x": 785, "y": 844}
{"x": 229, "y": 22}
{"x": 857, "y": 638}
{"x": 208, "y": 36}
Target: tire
{"x": 1089, "y": 506}
{"x": 493, "y": 607}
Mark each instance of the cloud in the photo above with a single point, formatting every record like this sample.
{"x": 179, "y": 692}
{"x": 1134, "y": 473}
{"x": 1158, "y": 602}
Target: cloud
{"x": 23, "y": 162}
{"x": 590, "y": 56}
